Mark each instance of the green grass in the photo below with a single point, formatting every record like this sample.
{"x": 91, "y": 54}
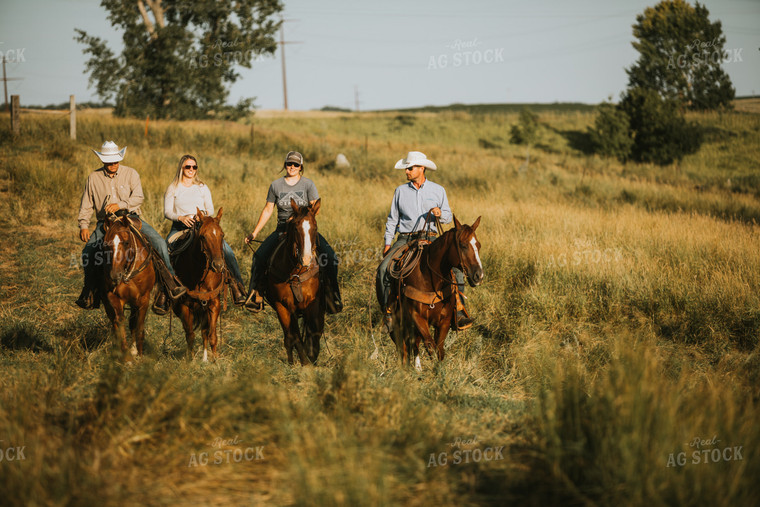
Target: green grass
{"x": 618, "y": 321}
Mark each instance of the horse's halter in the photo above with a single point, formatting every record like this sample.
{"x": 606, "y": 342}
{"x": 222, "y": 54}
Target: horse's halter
{"x": 297, "y": 247}
{"x": 209, "y": 260}
{"x": 133, "y": 261}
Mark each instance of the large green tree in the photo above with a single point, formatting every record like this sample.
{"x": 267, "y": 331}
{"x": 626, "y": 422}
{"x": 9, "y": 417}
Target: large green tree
{"x": 680, "y": 56}
{"x": 178, "y": 56}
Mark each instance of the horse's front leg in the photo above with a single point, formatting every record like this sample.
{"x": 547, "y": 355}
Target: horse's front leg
{"x": 209, "y": 337}
{"x": 137, "y": 324}
{"x": 442, "y": 329}
{"x": 314, "y": 322}
{"x": 284, "y": 316}
{"x": 419, "y": 317}
{"x": 185, "y": 314}
{"x": 117, "y": 323}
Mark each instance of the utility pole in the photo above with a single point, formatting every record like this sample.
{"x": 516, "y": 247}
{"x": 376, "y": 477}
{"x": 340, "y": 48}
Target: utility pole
{"x": 282, "y": 57}
{"x": 356, "y": 98}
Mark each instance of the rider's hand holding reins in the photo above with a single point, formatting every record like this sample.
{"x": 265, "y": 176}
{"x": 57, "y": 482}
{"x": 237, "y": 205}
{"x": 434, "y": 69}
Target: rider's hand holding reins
{"x": 250, "y": 238}
{"x": 111, "y": 208}
{"x": 188, "y": 220}
{"x": 436, "y": 212}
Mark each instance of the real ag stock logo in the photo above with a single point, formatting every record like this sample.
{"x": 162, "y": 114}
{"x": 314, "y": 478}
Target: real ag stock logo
{"x": 226, "y": 456}
{"x": 465, "y": 455}
{"x": 464, "y": 54}
{"x": 705, "y": 451}
{"x": 698, "y": 52}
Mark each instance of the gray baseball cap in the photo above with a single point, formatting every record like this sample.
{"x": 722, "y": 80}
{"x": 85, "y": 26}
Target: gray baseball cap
{"x": 294, "y": 156}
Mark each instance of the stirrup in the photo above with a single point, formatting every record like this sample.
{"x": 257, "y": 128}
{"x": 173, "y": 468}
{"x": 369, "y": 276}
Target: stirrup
{"x": 254, "y": 303}
{"x": 462, "y": 321}
{"x": 161, "y": 309}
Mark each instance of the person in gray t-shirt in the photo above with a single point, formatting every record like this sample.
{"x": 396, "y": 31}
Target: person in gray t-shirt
{"x": 303, "y": 191}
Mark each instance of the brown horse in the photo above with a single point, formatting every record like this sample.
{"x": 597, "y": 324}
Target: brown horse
{"x": 292, "y": 286}
{"x": 201, "y": 268}
{"x": 428, "y": 294}
{"x": 128, "y": 279}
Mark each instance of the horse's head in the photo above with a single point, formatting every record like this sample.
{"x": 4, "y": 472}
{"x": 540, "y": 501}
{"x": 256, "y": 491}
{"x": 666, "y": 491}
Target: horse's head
{"x": 210, "y": 236}
{"x": 303, "y": 229}
{"x": 468, "y": 248}
{"x": 119, "y": 246}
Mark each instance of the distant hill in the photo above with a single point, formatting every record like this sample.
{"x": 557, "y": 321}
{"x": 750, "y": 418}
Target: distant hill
{"x": 566, "y": 107}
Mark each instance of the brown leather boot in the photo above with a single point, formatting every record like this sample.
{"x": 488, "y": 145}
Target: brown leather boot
{"x": 161, "y": 304}
{"x": 88, "y": 299}
{"x": 333, "y": 301}
{"x": 238, "y": 292}
{"x": 462, "y": 319}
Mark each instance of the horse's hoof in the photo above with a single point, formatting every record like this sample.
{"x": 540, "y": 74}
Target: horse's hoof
{"x": 417, "y": 364}
{"x": 133, "y": 350}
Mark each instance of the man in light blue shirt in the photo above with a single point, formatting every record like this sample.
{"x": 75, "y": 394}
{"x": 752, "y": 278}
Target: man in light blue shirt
{"x": 412, "y": 202}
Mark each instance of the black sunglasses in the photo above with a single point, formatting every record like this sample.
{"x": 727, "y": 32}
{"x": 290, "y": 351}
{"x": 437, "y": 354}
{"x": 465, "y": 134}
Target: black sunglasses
{"x": 191, "y": 167}
{"x": 294, "y": 164}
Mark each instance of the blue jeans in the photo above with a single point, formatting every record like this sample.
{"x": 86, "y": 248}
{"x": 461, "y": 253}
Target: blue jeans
{"x": 229, "y": 255}
{"x": 383, "y": 278}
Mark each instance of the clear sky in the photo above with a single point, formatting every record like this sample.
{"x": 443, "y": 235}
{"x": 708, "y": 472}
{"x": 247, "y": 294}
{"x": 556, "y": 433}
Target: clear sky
{"x": 396, "y": 53}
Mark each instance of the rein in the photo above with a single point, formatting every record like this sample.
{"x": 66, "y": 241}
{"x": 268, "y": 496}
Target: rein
{"x": 137, "y": 236}
{"x": 204, "y": 296}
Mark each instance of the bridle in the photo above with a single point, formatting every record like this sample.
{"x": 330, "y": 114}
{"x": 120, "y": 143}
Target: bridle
{"x": 456, "y": 244}
{"x": 205, "y": 295}
{"x": 135, "y": 236}
{"x": 297, "y": 249}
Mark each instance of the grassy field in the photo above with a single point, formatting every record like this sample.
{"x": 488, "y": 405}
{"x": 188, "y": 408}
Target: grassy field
{"x": 614, "y": 358}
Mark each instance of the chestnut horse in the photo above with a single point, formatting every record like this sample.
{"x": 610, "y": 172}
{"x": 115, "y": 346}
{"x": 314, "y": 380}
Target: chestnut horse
{"x": 428, "y": 294}
{"x": 128, "y": 278}
{"x": 201, "y": 268}
{"x": 292, "y": 286}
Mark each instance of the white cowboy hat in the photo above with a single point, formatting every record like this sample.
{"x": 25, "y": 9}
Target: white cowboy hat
{"x": 110, "y": 152}
{"x": 415, "y": 158}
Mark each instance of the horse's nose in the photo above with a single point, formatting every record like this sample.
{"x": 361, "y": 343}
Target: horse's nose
{"x": 477, "y": 276}
{"x": 217, "y": 265}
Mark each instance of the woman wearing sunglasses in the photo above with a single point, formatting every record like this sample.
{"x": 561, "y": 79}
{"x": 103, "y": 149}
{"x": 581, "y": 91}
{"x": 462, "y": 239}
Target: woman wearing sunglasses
{"x": 183, "y": 196}
{"x": 303, "y": 191}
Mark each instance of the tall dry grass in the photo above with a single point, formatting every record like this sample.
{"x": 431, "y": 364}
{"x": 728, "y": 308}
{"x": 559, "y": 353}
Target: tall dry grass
{"x": 618, "y": 322}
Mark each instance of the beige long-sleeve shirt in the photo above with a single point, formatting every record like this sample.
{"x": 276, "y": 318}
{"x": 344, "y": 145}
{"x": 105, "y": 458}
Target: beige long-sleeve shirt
{"x": 100, "y": 189}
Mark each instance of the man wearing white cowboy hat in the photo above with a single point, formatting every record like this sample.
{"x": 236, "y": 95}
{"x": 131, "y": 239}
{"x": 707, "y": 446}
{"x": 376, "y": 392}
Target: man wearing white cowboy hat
{"x": 412, "y": 202}
{"x": 109, "y": 189}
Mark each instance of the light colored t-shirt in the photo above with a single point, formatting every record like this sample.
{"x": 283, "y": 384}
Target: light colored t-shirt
{"x": 180, "y": 200}
{"x": 281, "y": 193}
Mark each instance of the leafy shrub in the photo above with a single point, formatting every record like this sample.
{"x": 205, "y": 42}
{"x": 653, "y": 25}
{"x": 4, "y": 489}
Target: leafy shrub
{"x": 660, "y": 132}
{"x": 611, "y": 135}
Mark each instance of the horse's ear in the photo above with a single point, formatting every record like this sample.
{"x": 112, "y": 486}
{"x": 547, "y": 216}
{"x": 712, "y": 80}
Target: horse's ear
{"x": 457, "y": 224}
{"x": 296, "y": 208}
{"x": 219, "y": 214}
{"x": 108, "y": 222}
{"x": 315, "y": 206}
{"x": 475, "y": 224}
{"x": 198, "y": 213}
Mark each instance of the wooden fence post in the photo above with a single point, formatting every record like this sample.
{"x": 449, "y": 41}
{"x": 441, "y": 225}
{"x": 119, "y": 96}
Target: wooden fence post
{"x": 15, "y": 120}
{"x": 72, "y": 117}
